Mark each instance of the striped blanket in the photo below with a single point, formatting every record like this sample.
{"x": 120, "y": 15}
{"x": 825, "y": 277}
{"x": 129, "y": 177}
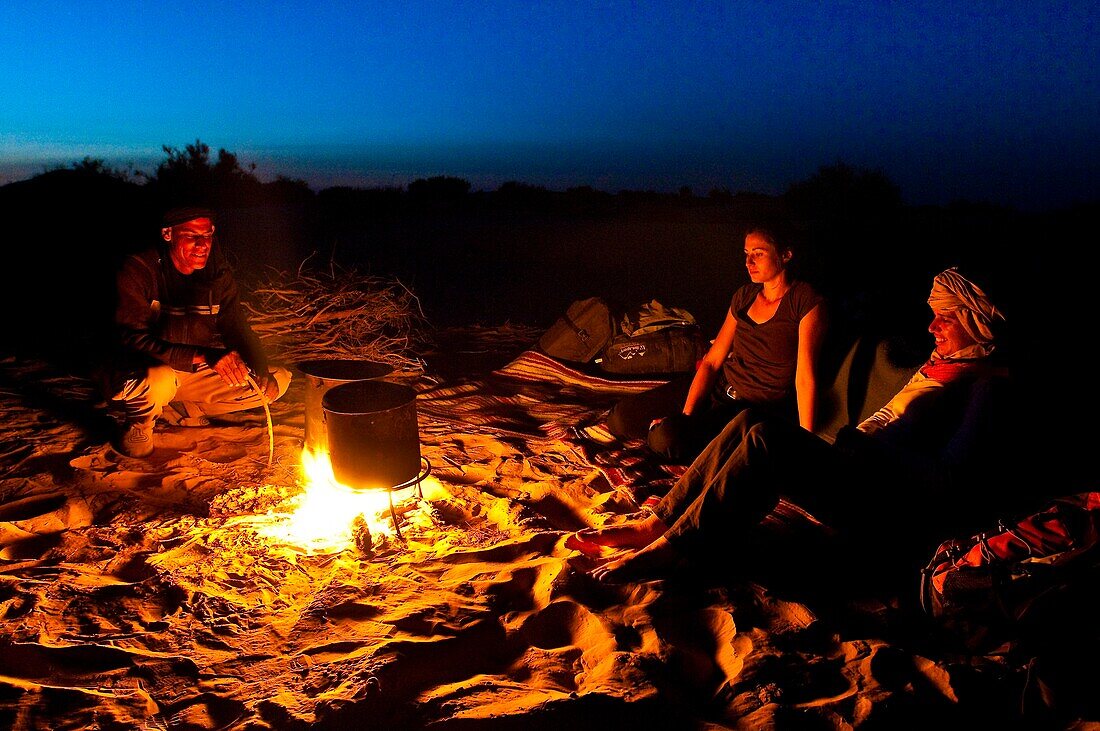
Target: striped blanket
{"x": 534, "y": 366}
{"x": 535, "y": 398}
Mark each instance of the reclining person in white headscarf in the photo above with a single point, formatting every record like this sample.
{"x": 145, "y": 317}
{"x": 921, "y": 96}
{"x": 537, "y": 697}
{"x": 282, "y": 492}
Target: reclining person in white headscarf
{"x": 916, "y": 444}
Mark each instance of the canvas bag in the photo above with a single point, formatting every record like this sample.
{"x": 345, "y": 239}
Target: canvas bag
{"x": 654, "y": 339}
{"x": 581, "y": 333}
{"x": 669, "y": 350}
{"x": 980, "y": 587}
{"x": 653, "y": 316}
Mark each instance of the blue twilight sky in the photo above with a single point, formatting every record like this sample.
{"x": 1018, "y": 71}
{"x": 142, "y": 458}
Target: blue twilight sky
{"x": 993, "y": 100}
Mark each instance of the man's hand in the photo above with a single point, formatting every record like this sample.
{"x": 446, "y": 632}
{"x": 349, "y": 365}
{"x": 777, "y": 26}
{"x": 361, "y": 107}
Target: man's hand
{"x": 232, "y": 369}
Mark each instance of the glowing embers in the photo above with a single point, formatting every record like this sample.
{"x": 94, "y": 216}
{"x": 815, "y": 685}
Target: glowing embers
{"x": 371, "y": 451}
{"x": 321, "y": 519}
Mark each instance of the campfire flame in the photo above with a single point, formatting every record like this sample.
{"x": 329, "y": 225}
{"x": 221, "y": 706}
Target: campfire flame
{"x": 320, "y": 519}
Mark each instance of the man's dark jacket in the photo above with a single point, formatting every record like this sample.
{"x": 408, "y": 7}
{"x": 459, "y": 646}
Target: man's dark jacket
{"x": 163, "y": 316}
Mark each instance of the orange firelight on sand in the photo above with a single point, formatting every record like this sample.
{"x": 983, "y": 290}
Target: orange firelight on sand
{"x": 322, "y": 517}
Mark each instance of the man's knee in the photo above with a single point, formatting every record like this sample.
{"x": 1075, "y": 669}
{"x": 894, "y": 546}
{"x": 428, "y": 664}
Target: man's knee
{"x": 157, "y": 384}
{"x": 146, "y": 395}
{"x": 162, "y": 384}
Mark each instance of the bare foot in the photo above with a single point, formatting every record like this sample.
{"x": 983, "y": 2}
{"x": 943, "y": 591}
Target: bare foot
{"x": 641, "y": 565}
{"x": 635, "y": 534}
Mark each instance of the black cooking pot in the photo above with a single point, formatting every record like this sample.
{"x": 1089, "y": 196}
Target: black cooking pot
{"x": 322, "y": 375}
{"x": 373, "y": 436}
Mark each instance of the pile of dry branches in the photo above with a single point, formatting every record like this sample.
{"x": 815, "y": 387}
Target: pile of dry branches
{"x": 338, "y": 313}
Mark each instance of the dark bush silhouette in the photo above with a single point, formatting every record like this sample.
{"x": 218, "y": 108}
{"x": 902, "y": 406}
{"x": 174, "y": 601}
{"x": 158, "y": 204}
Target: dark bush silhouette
{"x": 516, "y": 194}
{"x": 94, "y": 166}
{"x": 840, "y": 192}
{"x": 438, "y": 189}
{"x": 189, "y": 175}
{"x": 67, "y": 230}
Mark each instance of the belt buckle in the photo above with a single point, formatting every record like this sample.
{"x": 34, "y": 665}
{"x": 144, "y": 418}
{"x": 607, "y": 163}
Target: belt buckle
{"x": 731, "y": 392}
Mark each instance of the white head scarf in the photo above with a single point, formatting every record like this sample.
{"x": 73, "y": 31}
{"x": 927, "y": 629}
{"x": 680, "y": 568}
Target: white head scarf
{"x": 977, "y": 314}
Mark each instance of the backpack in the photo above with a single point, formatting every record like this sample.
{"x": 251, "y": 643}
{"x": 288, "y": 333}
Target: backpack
{"x": 653, "y": 316}
{"x": 984, "y": 586}
{"x": 652, "y": 339}
{"x": 581, "y": 333}
{"x": 671, "y": 349}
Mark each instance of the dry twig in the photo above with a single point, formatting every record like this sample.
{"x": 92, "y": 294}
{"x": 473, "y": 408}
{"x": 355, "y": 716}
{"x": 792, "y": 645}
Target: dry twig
{"x": 339, "y": 313}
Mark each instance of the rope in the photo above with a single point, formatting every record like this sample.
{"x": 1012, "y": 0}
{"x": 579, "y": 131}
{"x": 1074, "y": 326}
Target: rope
{"x": 267, "y": 412}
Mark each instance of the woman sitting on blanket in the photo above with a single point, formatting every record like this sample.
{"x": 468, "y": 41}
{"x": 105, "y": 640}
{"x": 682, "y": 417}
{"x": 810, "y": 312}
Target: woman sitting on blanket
{"x": 935, "y": 438}
{"x": 765, "y": 352}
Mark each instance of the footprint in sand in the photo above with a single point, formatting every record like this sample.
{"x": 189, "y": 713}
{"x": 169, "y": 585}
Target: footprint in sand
{"x": 525, "y": 587}
{"x": 29, "y": 548}
{"x": 32, "y": 526}
{"x": 31, "y": 507}
{"x": 201, "y": 711}
{"x": 76, "y": 666}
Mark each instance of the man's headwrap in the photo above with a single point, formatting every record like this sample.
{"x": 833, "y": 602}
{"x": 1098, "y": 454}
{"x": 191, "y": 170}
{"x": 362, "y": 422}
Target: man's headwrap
{"x": 977, "y": 314}
{"x": 183, "y": 214}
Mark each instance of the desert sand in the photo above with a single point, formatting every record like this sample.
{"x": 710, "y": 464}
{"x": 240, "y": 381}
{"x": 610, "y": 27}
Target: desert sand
{"x": 204, "y": 588}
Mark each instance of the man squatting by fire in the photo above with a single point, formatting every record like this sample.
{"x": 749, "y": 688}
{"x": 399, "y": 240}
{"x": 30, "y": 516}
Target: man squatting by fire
{"x": 184, "y": 349}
